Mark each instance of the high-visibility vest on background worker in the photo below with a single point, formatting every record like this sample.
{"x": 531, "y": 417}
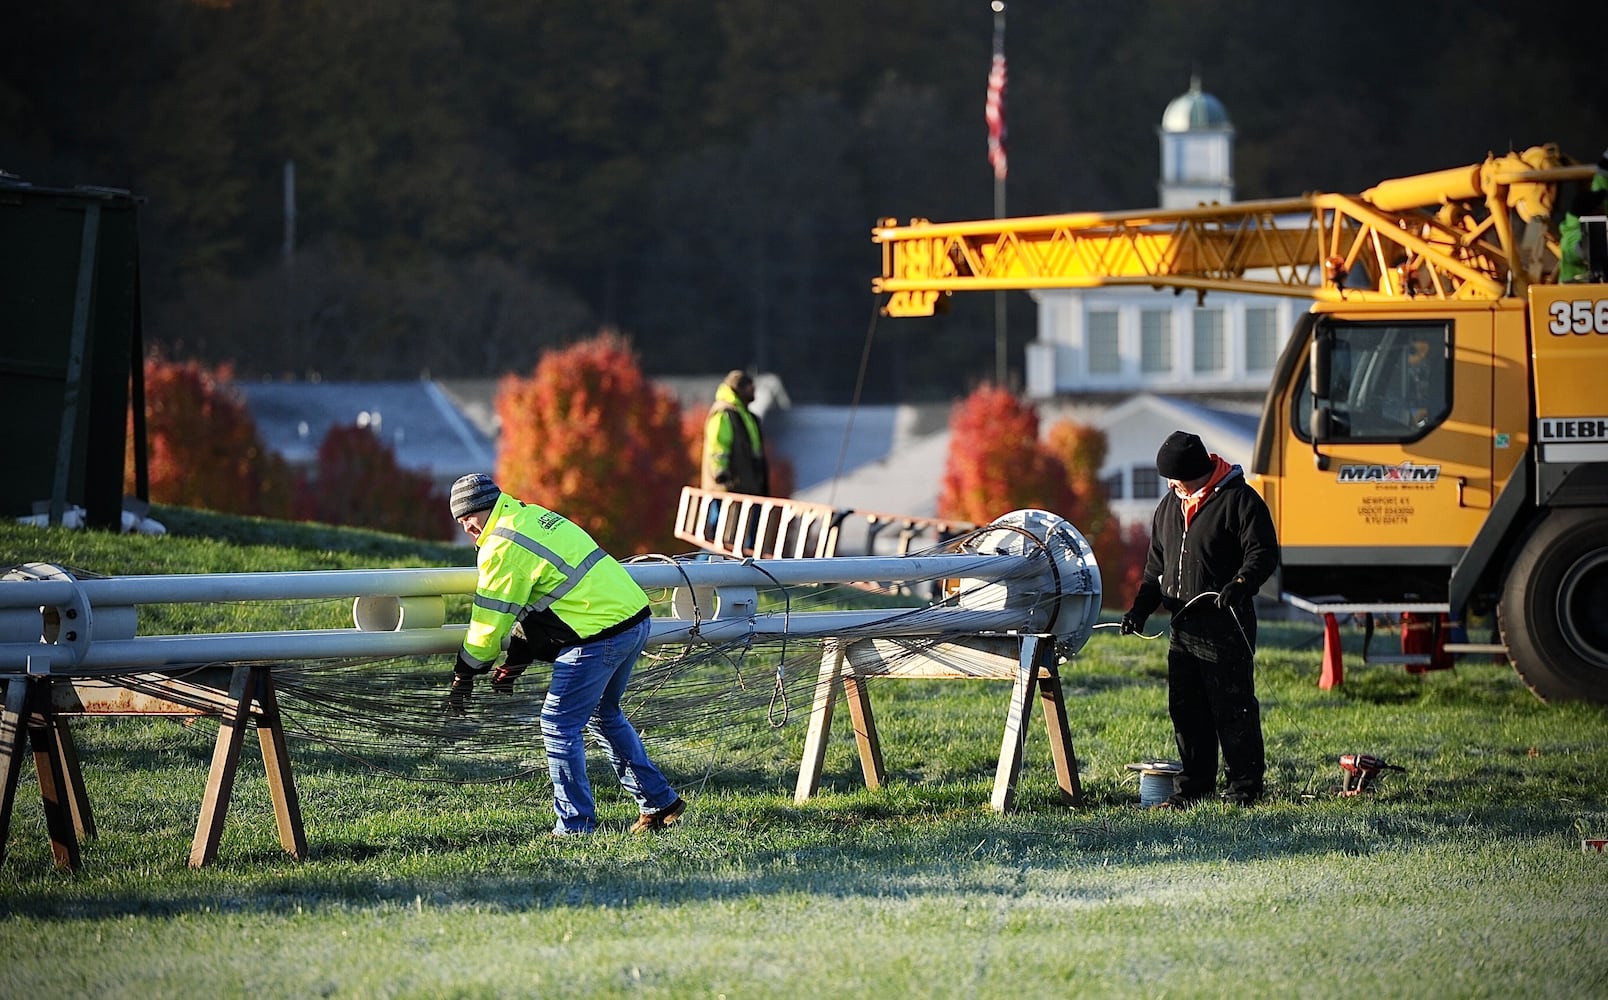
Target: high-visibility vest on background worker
{"x": 734, "y": 449}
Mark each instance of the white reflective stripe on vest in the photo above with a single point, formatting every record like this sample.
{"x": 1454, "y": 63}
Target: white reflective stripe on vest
{"x": 572, "y": 574}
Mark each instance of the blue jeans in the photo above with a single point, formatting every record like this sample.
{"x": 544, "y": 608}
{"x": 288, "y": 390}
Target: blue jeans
{"x": 712, "y": 521}
{"x": 712, "y": 525}
{"x": 588, "y": 682}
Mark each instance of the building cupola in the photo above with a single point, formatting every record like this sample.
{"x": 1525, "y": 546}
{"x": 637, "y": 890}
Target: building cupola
{"x": 1197, "y": 150}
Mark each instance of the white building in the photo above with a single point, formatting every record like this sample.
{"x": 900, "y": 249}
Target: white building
{"x": 1099, "y": 348}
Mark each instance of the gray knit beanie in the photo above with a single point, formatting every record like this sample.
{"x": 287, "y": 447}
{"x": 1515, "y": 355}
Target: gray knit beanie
{"x": 473, "y": 492}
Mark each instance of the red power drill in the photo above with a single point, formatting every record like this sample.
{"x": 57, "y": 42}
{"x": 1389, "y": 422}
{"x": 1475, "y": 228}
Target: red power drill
{"x": 1361, "y": 769}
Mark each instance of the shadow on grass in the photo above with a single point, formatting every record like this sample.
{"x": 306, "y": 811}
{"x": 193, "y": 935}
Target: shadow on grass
{"x": 897, "y": 848}
{"x": 377, "y": 843}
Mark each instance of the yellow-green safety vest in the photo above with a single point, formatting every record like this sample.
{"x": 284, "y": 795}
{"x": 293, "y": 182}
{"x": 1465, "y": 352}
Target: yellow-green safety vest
{"x": 539, "y": 565}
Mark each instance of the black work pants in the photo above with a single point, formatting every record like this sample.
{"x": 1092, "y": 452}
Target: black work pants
{"x": 1212, "y": 704}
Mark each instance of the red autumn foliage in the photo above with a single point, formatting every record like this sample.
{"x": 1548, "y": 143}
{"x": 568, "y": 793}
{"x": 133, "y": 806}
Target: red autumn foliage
{"x": 587, "y": 435}
{"x": 1119, "y": 553}
{"x": 1081, "y": 451}
{"x": 996, "y": 463}
{"x": 360, "y": 483}
{"x": 204, "y": 451}
{"x": 692, "y": 439}
{"x": 202, "y": 445}
{"x": 783, "y": 474}
{"x": 1135, "y": 547}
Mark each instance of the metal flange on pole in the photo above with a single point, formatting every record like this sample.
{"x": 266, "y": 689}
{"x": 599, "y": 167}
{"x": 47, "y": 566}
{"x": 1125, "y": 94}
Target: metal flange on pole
{"x": 1062, "y": 595}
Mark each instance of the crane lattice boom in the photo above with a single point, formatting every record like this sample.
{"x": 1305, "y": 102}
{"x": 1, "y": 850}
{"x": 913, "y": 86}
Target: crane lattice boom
{"x": 1448, "y": 234}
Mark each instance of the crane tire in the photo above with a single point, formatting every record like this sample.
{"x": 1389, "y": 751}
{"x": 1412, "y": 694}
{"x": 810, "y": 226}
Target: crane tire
{"x": 1552, "y": 612}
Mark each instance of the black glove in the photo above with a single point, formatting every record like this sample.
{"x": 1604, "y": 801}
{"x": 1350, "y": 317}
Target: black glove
{"x": 1234, "y": 593}
{"x": 458, "y": 696}
{"x": 463, "y": 682}
{"x": 502, "y": 679}
{"x": 1132, "y": 624}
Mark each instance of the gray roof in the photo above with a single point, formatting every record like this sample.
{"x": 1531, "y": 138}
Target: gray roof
{"x": 426, "y": 430}
{"x": 831, "y": 442}
{"x": 1240, "y": 423}
{"x": 443, "y": 429}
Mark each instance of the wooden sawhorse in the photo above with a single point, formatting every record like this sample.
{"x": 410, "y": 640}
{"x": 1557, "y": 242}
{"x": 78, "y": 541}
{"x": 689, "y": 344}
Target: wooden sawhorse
{"x": 36, "y": 710}
{"x": 1029, "y": 661}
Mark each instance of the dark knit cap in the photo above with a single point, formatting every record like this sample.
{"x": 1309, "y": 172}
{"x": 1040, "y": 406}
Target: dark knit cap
{"x": 1183, "y": 457}
{"x": 473, "y": 492}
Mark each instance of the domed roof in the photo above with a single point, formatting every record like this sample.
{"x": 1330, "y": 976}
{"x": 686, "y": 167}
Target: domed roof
{"x": 1195, "y": 110}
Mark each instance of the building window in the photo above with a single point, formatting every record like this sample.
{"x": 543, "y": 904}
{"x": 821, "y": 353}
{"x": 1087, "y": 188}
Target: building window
{"x": 1155, "y": 342}
{"x": 1105, "y": 350}
{"x": 1200, "y": 158}
{"x": 1111, "y": 486}
{"x": 1261, "y": 339}
{"x": 1210, "y": 354}
{"x": 1147, "y": 483}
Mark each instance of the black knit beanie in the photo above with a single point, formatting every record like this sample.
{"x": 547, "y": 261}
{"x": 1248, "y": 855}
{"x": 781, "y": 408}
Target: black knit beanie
{"x": 1183, "y": 457}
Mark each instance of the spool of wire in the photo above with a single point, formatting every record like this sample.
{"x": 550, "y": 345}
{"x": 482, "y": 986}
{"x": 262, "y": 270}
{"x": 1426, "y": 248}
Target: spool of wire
{"x": 1158, "y": 780}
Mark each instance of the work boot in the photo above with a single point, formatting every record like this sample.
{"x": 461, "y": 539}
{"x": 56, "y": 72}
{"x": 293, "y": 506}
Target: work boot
{"x": 649, "y": 822}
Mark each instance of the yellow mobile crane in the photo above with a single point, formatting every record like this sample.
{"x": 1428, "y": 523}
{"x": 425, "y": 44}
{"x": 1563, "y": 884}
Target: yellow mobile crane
{"x": 1436, "y": 431}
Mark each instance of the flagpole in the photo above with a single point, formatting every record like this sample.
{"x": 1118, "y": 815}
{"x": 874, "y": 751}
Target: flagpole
{"x": 1000, "y": 350}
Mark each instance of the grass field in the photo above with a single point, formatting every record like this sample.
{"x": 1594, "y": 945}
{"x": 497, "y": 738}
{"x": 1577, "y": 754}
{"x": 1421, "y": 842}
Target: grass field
{"x": 1463, "y": 877}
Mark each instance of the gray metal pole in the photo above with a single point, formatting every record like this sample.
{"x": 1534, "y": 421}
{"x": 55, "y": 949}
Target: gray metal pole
{"x": 1036, "y": 575}
{"x": 194, "y": 588}
{"x": 290, "y": 212}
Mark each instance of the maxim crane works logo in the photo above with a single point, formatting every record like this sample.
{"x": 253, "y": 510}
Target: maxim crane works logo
{"x": 1406, "y": 472}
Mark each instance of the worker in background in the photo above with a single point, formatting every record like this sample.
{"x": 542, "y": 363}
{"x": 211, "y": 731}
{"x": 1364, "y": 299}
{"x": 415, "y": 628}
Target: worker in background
{"x": 547, "y": 586}
{"x": 1212, "y": 544}
{"x": 1571, "y": 261}
{"x": 734, "y": 446}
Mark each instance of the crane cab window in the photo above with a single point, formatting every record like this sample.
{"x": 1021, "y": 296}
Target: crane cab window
{"x": 1385, "y": 382}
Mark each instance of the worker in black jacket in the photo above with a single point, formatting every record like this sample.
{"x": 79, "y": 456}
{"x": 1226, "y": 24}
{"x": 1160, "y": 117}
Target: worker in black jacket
{"x": 1212, "y": 545}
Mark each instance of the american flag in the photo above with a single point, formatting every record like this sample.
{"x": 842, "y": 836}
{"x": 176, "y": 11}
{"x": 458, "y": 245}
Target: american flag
{"x": 994, "y": 112}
